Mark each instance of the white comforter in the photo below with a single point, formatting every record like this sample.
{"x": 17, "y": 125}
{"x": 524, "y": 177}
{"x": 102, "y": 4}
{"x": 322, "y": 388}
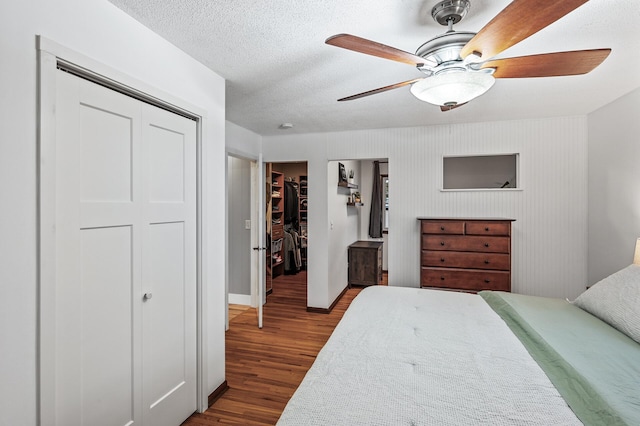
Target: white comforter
{"x": 404, "y": 356}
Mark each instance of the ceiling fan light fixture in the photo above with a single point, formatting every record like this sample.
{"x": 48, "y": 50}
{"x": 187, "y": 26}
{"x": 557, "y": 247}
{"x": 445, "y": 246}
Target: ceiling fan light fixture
{"x": 453, "y": 87}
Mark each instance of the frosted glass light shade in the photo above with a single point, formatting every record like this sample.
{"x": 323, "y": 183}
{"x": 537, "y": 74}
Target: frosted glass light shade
{"x": 636, "y": 254}
{"x": 453, "y": 87}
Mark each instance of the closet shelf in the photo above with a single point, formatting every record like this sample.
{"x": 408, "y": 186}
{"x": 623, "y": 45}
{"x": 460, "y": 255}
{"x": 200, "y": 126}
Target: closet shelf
{"x": 355, "y": 204}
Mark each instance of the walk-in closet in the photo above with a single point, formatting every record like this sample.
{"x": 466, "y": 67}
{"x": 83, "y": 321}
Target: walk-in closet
{"x": 286, "y": 221}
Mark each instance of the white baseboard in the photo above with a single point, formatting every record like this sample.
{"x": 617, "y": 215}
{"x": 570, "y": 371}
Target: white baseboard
{"x": 240, "y": 299}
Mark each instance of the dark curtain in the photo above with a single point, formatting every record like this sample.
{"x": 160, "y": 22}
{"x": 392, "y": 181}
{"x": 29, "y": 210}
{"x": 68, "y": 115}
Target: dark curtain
{"x": 375, "y": 215}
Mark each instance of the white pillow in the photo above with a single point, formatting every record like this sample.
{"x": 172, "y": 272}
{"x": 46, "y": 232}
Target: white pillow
{"x": 616, "y": 301}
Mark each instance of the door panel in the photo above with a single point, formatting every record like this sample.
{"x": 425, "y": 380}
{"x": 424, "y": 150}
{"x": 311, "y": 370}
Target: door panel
{"x": 169, "y": 267}
{"x": 260, "y": 185}
{"x": 106, "y": 147}
{"x": 107, "y": 349}
{"x": 97, "y": 333}
{"x": 166, "y": 152}
{"x": 164, "y": 313}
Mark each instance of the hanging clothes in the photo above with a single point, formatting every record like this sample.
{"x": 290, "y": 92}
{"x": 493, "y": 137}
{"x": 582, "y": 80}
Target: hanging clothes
{"x": 291, "y": 207}
{"x": 292, "y": 258}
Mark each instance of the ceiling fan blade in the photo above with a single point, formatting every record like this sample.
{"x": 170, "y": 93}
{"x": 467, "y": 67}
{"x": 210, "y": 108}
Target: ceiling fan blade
{"x": 548, "y": 64}
{"x": 362, "y": 45}
{"x": 517, "y": 21}
{"x": 445, "y": 108}
{"x": 379, "y": 90}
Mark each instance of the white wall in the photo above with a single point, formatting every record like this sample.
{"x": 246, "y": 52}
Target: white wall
{"x": 614, "y": 185}
{"x": 292, "y": 170}
{"x": 239, "y": 238}
{"x": 549, "y": 235}
{"x": 97, "y": 29}
{"x": 343, "y": 226}
{"x": 242, "y": 142}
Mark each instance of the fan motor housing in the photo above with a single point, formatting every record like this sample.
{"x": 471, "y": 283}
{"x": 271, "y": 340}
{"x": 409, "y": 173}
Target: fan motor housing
{"x": 450, "y": 11}
{"x": 445, "y": 47}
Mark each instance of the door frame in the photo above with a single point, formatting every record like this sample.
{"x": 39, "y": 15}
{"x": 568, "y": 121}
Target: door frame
{"x": 255, "y": 201}
{"x": 51, "y": 55}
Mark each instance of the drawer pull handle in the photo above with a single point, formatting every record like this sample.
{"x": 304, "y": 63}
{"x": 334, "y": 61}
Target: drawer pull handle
{"x": 486, "y": 229}
{"x": 487, "y": 281}
{"x": 486, "y": 262}
{"x": 441, "y": 243}
{"x": 442, "y": 278}
{"x": 486, "y": 244}
{"x": 442, "y": 259}
{"x": 442, "y": 228}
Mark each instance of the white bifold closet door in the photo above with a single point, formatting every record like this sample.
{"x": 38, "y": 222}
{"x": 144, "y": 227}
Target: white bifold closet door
{"x": 125, "y": 332}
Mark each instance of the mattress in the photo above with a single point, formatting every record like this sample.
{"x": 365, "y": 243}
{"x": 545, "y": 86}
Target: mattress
{"x": 406, "y": 356}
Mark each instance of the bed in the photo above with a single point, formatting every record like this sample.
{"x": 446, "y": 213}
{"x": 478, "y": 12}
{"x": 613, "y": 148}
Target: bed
{"x": 407, "y": 356}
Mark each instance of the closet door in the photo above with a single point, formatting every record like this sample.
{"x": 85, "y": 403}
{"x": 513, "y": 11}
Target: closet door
{"x": 125, "y": 259}
{"x": 168, "y": 267}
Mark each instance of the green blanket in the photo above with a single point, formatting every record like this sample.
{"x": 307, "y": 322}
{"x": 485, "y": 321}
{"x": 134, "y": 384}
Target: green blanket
{"x": 594, "y": 367}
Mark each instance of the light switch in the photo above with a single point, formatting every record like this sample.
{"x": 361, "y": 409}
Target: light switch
{"x": 247, "y": 224}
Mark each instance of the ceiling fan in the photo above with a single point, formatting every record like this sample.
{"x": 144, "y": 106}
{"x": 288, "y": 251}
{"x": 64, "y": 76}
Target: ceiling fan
{"x": 458, "y": 65}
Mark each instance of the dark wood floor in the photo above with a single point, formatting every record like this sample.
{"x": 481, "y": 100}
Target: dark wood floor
{"x": 265, "y": 366}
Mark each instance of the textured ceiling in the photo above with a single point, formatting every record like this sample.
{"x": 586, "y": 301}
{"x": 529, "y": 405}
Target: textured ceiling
{"x": 278, "y": 68}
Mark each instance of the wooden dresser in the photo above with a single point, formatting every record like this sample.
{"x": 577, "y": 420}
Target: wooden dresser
{"x": 465, "y": 254}
{"x": 365, "y": 263}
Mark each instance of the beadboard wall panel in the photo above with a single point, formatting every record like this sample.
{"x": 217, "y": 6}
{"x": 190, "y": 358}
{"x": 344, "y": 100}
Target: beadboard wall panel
{"x": 550, "y": 208}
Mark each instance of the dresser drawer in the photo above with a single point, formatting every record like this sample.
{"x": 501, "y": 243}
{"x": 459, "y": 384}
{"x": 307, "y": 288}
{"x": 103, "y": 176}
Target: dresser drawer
{"x": 442, "y": 227}
{"x": 466, "y": 243}
{"x": 456, "y": 259}
{"x": 465, "y": 279}
{"x": 488, "y": 228}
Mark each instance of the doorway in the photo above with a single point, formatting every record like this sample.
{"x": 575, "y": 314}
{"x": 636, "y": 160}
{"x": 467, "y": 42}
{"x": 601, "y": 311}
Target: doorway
{"x": 286, "y": 230}
{"x": 239, "y": 235}
{"x": 349, "y": 199}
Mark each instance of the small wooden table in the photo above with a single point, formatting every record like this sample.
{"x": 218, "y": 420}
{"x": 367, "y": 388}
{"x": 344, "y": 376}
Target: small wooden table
{"x": 365, "y": 263}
